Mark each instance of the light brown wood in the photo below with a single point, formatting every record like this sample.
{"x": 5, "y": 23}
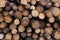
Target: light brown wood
{"x": 34, "y": 13}
{"x": 16, "y": 36}
{"x": 32, "y": 7}
{"x": 34, "y": 36}
{"x": 42, "y": 31}
{"x": 8, "y": 36}
{"x": 18, "y": 15}
{"x": 21, "y": 8}
{"x": 15, "y": 7}
{"x": 35, "y": 24}
{"x": 41, "y": 16}
{"x": 56, "y": 25}
{"x": 48, "y": 24}
{"x": 25, "y": 12}
{"x": 43, "y": 2}
{"x": 11, "y": 4}
{"x": 54, "y": 1}
{"x": 24, "y": 2}
{"x": 1, "y": 36}
{"x": 29, "y": 34}
{"x": 1, "y": 18}
{"x": 28, "y": 0}
{"x": 7, "y": 8}
{"x": 25, "y": 21}
{"x": 51, "y": 19}
{"x": 12, "y": 26}
{"x": 48, "y": 30}
{"x": 11, "y": 12}
{"x": 6, "y": 30}
{"x": 5, "y": 13}
{"x": 27, "y": 6}
{"x": 14, "y": 31}
{"x": 2, "y": 3}
{"x": 49, "y": 13}
{"x": 56, "y": 11}
{"x": 41, "y": 38}
{"x": 16, "y": 21}
{"x": 21, "y": 28}
{"x": 3, "y": 25}
{"x": 57, "y": 4}
{"x": 40, "y": 9}
{"x": 23, "y": 34}
{"x": 33, "y": 2}
{"x": 8, "y": 19}
{"x": 57, "y": 35}
{"x": 37, "y": 30}
{"x": 29, "y": 16}
{"x": 29, "y": 29}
